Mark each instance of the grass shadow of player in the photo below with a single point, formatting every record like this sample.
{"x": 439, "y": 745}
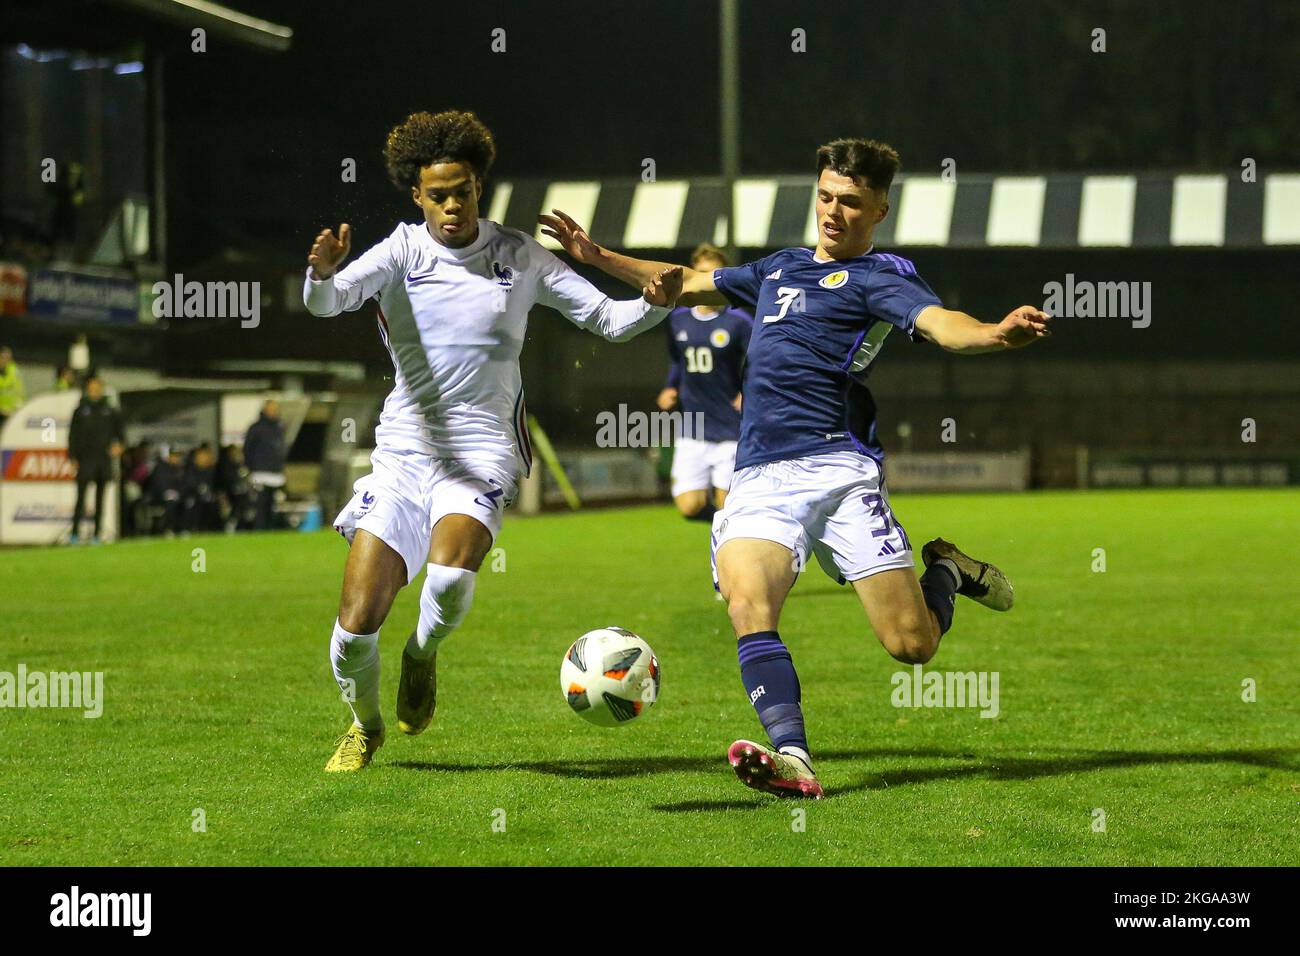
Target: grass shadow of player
{"x": 993, "y": 767}
{"x": 578, "y": 769}
{"x": 1001, "y": 767}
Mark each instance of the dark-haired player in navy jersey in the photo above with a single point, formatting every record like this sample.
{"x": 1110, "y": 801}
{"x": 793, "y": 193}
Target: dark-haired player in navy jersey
{"x": 809, "y": 475}
{"x": 706, "y": 349}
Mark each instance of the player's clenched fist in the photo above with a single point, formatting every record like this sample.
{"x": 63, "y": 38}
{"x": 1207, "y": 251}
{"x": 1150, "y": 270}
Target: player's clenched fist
{"x": 664, "y": 288}
{"x": 328, "y": 252}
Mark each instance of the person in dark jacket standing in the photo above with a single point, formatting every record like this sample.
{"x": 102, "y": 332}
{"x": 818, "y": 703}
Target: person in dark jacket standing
{"x": 264, "y": 454}
{"x": 94, "y": 440}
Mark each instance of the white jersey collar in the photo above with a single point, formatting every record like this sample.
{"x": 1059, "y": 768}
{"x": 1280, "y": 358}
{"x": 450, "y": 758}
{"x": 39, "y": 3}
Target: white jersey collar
{"x": 485, "y": 230}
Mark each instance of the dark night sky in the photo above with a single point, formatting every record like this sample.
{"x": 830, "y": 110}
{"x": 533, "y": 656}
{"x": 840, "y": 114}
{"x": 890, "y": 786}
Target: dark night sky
{"x": 590, "y": 89}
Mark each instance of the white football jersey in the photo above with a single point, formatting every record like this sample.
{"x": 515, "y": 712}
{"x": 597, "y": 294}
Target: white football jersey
{"x": 454, "y": 322}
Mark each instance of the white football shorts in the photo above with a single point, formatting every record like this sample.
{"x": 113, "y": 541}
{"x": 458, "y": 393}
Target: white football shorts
{"x": 834, "y": 505}
{"x": 700, "y": 465}
{"x": 406, "y": 494}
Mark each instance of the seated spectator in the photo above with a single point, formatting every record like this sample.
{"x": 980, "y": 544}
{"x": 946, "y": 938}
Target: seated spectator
{"x": 141, "y": 464}
{"x": 166, "y": 483}
{"x": 233, "y": 486}
{"x": 135, "y": 472}
{"x": 198, "y": 492}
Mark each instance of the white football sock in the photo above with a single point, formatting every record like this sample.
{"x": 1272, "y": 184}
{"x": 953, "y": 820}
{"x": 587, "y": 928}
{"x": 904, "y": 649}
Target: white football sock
{"x": 444, "y": 602}
{"x": 800, "y": 753}
{"x": 355, "y": 660}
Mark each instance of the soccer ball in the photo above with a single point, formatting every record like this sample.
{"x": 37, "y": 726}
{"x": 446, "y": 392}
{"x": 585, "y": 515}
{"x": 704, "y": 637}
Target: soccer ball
{"x": 610, "y": 676}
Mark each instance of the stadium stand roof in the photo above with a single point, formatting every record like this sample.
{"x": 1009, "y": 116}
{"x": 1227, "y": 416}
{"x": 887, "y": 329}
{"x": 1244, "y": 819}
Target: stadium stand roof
{"x": 221, "y": 20}
{"x": 104, "y": 24}
{"x": 1066, "y": 211}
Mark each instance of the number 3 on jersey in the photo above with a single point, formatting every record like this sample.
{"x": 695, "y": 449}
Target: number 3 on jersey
{"x": 786, "y": 297}
{"x": 699, "y": 359}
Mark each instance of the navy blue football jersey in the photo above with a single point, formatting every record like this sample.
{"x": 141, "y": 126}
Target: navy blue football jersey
{"x": 817, "y": 328}
{"x": 707, "y": 354}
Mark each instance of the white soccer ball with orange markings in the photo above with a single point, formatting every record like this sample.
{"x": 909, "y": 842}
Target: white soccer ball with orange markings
{"x": 610, "y": 676}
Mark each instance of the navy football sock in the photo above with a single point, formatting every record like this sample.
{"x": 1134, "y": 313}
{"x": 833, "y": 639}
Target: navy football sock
{"x": 773, "y": 687}
{"x": 939, "y": 586}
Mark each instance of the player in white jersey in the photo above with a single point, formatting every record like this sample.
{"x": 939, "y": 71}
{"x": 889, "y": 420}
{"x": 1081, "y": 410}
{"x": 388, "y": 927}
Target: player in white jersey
{"x": 453, "y": 294}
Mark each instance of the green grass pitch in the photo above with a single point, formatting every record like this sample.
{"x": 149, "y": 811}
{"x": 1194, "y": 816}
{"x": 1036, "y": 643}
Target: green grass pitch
{"x": 1121, "y": 692}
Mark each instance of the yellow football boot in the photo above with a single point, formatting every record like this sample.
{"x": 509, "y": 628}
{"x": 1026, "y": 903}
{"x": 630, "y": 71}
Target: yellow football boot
{"x": 355, "y": 750}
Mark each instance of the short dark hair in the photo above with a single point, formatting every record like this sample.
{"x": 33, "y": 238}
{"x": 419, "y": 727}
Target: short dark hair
{"x": 866, "y": 161}
{"x": 422, "y": 139}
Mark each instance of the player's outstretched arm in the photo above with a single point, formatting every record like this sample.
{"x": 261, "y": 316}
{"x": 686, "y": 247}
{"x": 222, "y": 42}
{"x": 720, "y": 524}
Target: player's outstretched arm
{"x": 329, "y": 291}
{"x": 588, "y": 308}
{"x": 959, "y": 332}
{"x": 697, "y": 287}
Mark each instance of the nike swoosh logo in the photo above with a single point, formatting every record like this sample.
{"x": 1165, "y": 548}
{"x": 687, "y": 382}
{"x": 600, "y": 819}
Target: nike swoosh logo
{"x": 413, "y": 279}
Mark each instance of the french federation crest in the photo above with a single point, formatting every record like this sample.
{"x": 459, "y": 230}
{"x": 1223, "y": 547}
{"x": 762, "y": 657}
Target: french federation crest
{"x": 504, "y": 275}
{"x": 834, "y": 280}
{"x": 719, "y": 338}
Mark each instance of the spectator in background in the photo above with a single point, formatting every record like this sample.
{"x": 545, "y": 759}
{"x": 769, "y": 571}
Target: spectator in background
{"x": 12, "y": 393}
{"x": 163, "y": 491}
{"x": 232, "y": 485}
{"x": 79, "y": 358}
{"x": 65, "y": 379}
{"x": 69, "y": 198}
{"x": 264, "y": 454}
{"x": 94, "y": 440}
{"x": 198, "y": 492}
{"x": 135, "y": 473}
